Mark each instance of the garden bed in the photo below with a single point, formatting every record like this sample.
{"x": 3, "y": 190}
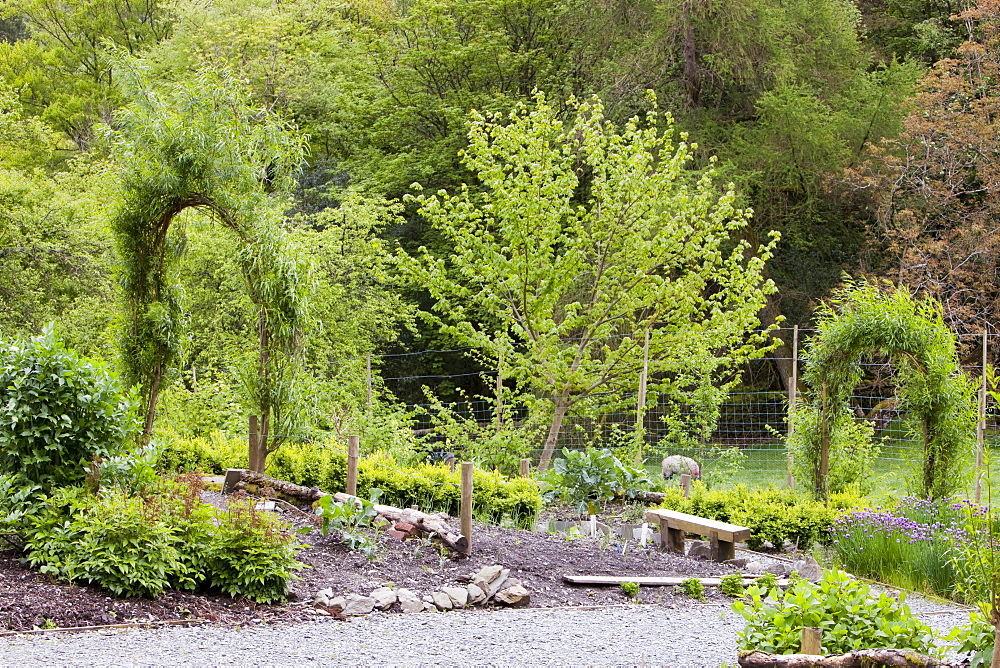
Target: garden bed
{"x": 538, "y": 560}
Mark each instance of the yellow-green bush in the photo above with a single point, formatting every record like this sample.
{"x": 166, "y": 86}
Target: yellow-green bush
{"x": 773, "y": 515}
{"x": 211, "y": 455}
{"x": 324, "y": 465}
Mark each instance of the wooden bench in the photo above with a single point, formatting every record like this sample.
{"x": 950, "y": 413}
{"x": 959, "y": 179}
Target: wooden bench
{"x": 673, "y": 525}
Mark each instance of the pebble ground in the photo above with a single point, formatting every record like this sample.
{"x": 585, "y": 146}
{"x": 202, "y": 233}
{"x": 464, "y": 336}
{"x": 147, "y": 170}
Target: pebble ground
{"x": 639, "y": 635}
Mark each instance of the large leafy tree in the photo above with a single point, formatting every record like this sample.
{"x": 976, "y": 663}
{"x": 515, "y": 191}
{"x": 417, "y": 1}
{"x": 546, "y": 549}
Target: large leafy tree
{"x": 934, "y": 191}
{"x": 585, "y": 240}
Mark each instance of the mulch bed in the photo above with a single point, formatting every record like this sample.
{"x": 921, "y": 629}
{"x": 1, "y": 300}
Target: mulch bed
{"x": 31, "y": 600}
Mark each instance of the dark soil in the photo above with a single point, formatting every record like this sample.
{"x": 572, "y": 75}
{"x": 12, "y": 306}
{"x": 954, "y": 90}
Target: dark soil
{"x": 31, "y": 600}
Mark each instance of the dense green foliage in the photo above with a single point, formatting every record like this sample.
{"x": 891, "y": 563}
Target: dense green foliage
{"x": 938, "y": 398}
{"x": 772, "y": 515}
{"x": 849, "y": 616}
{"x": 589, "y": 478}
{"x": 135, "y": 546}
{"x": 57, "y": 412}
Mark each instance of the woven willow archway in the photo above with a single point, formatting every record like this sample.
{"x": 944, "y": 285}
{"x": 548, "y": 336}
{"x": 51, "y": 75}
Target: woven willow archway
{"x": 936, "y": 396}
{"x": 202, "y": 144}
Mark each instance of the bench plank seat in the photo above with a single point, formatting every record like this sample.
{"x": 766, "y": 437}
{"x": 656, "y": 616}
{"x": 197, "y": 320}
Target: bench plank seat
{"x": 674, "y": 524}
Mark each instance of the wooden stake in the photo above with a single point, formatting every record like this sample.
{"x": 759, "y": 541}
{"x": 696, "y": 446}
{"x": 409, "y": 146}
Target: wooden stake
{"x": 812, "y": 640}
{"x": 640, "y": 408}
{"x": 686, "y": 484}
{"x": 525, "y": 468}
{"x": 793, "y": 388}
{"x": 353, "y": 447}
{"x": 981, "y": 428}
{"x": 466, "y": 510}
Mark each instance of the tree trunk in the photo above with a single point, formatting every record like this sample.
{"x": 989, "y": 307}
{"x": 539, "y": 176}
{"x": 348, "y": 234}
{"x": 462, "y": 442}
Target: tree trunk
{"x": 858, "y": 658}
{"x": 561, "y": 406}
{"x": 823, "y": 466}
{"x": 154, "y": 395}
{"x": 996, "y": 647}
{"x": 692, "y": 77}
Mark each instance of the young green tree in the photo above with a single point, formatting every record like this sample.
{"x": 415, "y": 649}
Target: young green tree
{"x": 584, "y": 240}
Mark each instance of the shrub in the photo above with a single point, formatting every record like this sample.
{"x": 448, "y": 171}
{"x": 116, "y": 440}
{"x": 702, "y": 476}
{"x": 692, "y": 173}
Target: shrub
{"x": 211, "y": 454}
{"x": 772, "y": 515}
{"x": 592, "y": 476}
{"x": 693, "y": 588}
{"x": 251, "y": 554}
{"x": 630, "y": 589}
{"x": 732, "y": 585}
{"x": 852, "y": 453}
{"x": 138, "y": 547}
{"x": 57, "y": 412}
{"x": 844, "y": 609}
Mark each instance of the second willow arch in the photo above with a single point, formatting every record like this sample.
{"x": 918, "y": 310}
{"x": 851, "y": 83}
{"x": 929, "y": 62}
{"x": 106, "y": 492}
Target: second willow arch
{"x": 938, "y": 399}
{"x": 203, "y": 144}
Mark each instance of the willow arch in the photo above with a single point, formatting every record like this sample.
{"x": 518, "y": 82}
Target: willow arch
{"x": 937, "y": 397}
{"x": 202, "y": 144}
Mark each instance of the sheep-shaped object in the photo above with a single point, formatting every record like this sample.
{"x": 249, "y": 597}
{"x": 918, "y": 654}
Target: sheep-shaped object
{"x": 676, "y": 465}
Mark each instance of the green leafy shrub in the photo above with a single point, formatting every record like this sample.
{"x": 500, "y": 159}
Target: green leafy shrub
{"x": 211, "y": 454}
{"x": 849, "y": 616}
{"x": 974, "y": 640}
{"x": 122, "y": 547}
{"x": 57, "y": 412}
{"x": 773, "y": 515}
{"x": 732, "y": 585}
{"x": 630, "y": 589}
{"x": 349, "y": 518}
{"x": 133, "y": 472}
{"x": 592, "y": 476}
{"x": 693, "y": 588}
{"x": 853, "y": 450}
{"x": 135, "y": 546}
{"x": 251, "y": 554}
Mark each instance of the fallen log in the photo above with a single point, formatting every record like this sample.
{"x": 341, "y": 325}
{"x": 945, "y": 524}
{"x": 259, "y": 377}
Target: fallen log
{"x": 858, "y": 658}
{"x": 427, "y": 523}
{"x": 256, "y": 483}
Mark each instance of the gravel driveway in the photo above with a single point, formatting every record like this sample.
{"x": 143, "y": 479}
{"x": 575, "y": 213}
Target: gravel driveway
{"x": 637, "y": 635}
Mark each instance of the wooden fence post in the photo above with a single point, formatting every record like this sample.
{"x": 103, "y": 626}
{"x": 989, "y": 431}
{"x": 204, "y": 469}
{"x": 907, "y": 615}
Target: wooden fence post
{"x": 686, "y": 484}
{"x": 640, "y": 404}
{"x": 812, "y": 640}
{"x": 981, "y": 429}
{"x": 368, "y": 378}
{"x": 793, "y": 390}
{"x": 353, "y": 447}
{"x": 466, "y": 510}
{"x": 253, "y": 454}
{"x": 525, "y": 468}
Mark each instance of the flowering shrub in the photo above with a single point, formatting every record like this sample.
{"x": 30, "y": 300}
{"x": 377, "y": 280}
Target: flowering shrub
{"x": 912, "y": 545}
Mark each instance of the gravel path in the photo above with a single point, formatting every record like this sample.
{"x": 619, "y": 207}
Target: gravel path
{"x": 639, "y": 635}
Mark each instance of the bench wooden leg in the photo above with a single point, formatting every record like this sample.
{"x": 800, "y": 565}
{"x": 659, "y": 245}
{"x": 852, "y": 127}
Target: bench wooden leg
{"x": 722, "y": 550}
{"x": 671, "y": 539}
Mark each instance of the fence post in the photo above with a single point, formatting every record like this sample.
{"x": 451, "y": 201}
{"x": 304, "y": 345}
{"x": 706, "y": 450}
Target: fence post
{"x": 525, "y": 468}
{"x": 466, "y": 510}
{"x": 353, "y": 446}
{"x": 793, "y": 389}
{"x": 686, "y": 484}
{"x": 252, "y": 454}
{"x": 640, "y": 408}
{"x": 981, "y": 428}
{"x": 812, "y": 640}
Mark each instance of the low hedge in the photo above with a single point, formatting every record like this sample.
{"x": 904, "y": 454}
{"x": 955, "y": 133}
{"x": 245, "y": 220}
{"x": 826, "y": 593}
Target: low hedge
{"x": 313, "y": 464}
{"x": 773, "y": 515}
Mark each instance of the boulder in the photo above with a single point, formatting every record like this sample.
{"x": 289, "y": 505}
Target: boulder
{"x": 459, "y": 596}
{"x": 808, "y": 569}
{"x": 337, "y": 604}
{"x": 515, "y": 597}
{"x": 323, "y": 596}
{"x": 762, "y": 567}
{"x": 700, "y": 549}
{"x": 409, "y": 601}
{"x": 384, "y": 597}
{"x": 476, "y": 594}
{"x": 356, "y": 604}
{"x": 442, "y": 600}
